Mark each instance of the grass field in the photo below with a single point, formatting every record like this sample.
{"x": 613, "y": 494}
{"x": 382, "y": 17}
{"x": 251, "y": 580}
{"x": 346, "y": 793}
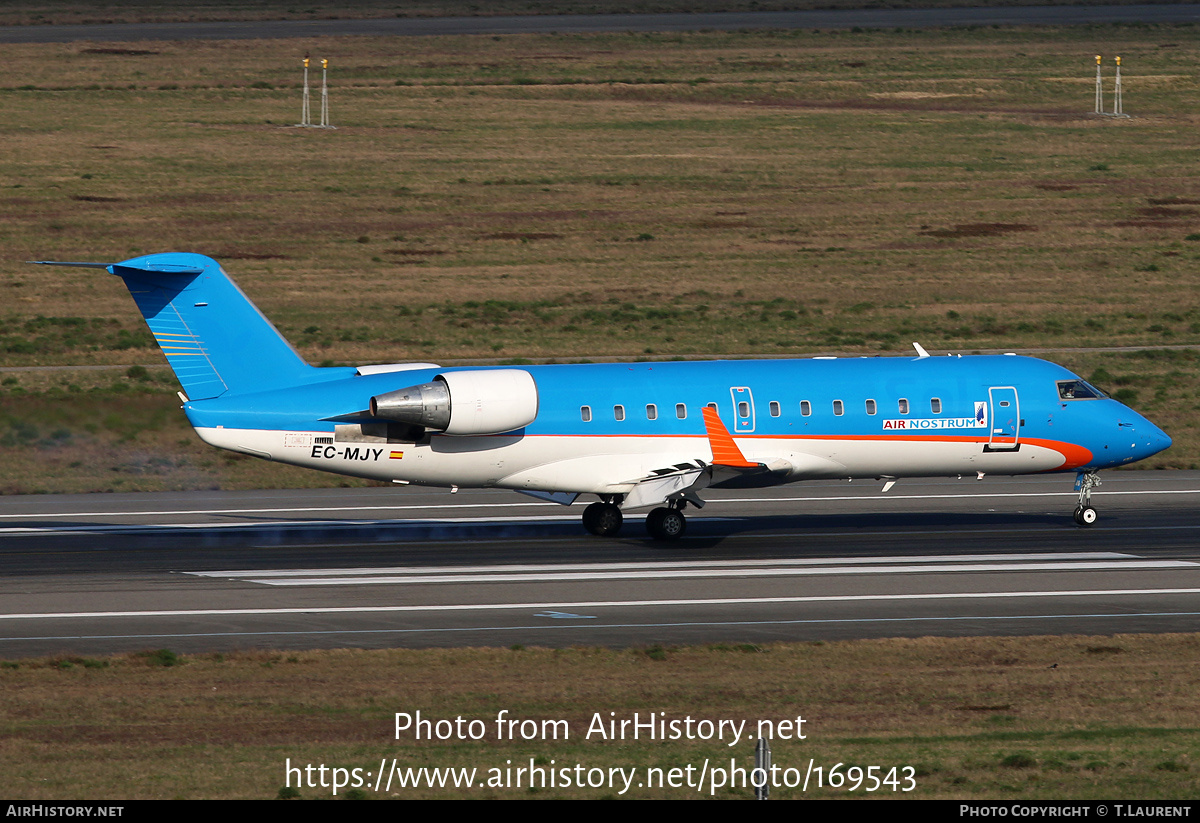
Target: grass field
{"x": 569, "y": 197}
{"x": 66, "y": 12}
{"x": 1019, "y": 718}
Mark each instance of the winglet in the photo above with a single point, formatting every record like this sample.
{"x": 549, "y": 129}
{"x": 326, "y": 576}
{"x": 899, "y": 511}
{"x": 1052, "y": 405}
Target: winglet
{"x": 725, "y": 452}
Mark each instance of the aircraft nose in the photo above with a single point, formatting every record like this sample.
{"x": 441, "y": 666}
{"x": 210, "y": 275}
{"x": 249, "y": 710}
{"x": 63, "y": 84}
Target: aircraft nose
{"x": 1149, "y": 440}
{"x": 1159, "y": 440}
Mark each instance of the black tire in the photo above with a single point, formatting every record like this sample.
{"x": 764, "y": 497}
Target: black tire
{"x": 1087, "y": 516}
{"x": 666, "y": 524}
{"x": 602, "y": 519}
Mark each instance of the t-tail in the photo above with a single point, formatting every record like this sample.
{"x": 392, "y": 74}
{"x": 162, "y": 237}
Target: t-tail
{"x": 214, "y": 338}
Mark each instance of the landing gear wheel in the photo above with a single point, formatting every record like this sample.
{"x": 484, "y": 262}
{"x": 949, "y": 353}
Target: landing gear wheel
{"x": 666, "y": 524}
{"x": 1085, "y": 483}
{"x": 603, "y": 519}
{"x": 1086, "y": 515}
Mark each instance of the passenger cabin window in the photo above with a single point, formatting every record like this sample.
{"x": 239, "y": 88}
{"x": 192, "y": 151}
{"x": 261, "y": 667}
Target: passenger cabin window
{"x": 712, "y": 406}
{"x": 903, "y": 405}
{"x": 838, "y": 407}
{"x": 1078, "y": 390}
{"x": 870, "y": 407}
{"x": 935, "y": 405}
{"x": 618, "y": 412}
{"x": 651, "y": 411}
{"x": 743, "y": 409}
{"x": 805, "y": 408}
{"x": 681, "y": 411}
{"x": 774, "y": 408}
{"x": 585, "y": 413}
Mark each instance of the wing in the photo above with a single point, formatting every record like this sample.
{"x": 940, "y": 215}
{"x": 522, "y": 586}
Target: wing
{"x": 685, "y": 480}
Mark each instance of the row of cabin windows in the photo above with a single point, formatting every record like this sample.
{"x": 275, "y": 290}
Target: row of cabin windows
{"x": 839, "y": 408}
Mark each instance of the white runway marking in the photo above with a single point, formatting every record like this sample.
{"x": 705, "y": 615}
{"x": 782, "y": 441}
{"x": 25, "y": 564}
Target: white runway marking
{"x": 1091, "y": 561}
{"x": 595, "y": 604}
{"x": 294, "y": 524}
{"x": 666, "y": 564}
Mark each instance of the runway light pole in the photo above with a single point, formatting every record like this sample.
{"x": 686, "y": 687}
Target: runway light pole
{"x": 325, "y": 94}
{"x": 1118, "y": 101}
{"x": 305, "y": 117}
{"x": 1118, "y": 106}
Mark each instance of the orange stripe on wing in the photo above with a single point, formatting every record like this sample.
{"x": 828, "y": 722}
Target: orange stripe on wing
{"x": 725, "y": 452}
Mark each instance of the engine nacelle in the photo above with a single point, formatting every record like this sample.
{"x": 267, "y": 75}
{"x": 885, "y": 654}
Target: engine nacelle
{"x": 483, "y": 401}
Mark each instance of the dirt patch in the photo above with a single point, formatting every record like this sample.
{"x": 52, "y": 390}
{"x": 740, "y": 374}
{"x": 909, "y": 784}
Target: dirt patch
{"x": 544, "y": 215}
{"x": 1164, "y": 213}
{"x": 523, "y": 235}
{"x": 978, "y": 230}
{"x": 913, "y": 95}
{"x": 111, "y": 50}
{"x": 416, "y": 252}
{"x": 719, "y": 224}
{"x": 96, "y": 198}
{"x": 229, "y": 254}
{"x": 1055, "y": 186}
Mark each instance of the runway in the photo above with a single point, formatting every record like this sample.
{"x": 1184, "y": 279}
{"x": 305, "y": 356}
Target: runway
{"x": 219, "y": 571}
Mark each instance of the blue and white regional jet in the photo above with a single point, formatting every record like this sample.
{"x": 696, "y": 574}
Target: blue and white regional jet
{"x": 635, "y": 435}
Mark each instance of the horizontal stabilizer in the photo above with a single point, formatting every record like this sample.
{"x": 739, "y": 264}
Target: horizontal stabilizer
{"x": 121, "y": 270}
{"x": 62, "y": 263}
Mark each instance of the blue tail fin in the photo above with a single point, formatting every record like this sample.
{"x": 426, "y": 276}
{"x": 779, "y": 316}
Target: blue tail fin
{"x": 215, "y": 339}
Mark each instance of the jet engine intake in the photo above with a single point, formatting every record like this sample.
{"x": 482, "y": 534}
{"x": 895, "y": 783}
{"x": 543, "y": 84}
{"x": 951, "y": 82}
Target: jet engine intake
{"x": 482, "y": 401}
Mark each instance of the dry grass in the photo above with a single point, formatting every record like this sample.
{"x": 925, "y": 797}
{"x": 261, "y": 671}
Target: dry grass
{"x": 65, "y": 12}
{"x": 1018, "y": 718}
{"x": 634, "y": 195}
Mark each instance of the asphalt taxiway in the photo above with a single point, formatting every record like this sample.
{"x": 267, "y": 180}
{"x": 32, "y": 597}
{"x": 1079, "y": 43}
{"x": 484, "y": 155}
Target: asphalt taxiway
{"x": 95, "y": 574}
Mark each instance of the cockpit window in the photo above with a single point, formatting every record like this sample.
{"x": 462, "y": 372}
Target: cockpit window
{"x": 1077, "y": 390}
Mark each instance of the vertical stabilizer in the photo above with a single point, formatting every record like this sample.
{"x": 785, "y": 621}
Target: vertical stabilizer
{"x": 214, "y": 338}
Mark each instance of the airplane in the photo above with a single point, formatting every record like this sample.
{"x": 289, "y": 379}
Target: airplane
{"x": 635, "y": 435}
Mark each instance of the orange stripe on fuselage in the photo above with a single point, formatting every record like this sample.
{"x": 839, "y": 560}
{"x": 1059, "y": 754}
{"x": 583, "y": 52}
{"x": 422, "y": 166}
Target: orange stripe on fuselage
{"x": 1073, "y": 455}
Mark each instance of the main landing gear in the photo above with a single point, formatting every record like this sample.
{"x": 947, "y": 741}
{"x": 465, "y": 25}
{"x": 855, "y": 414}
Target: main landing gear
{"x": 1085, "y": 514}
{"x": 603, "y": 519}
{"x": 665, "y": 523}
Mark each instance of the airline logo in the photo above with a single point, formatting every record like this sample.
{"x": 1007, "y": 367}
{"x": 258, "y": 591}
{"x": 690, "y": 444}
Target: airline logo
{"x": 979, "y": 421}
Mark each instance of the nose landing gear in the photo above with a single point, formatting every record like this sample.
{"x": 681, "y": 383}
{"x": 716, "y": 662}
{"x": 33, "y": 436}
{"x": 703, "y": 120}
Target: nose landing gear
{"x": 1085, "y": 514}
